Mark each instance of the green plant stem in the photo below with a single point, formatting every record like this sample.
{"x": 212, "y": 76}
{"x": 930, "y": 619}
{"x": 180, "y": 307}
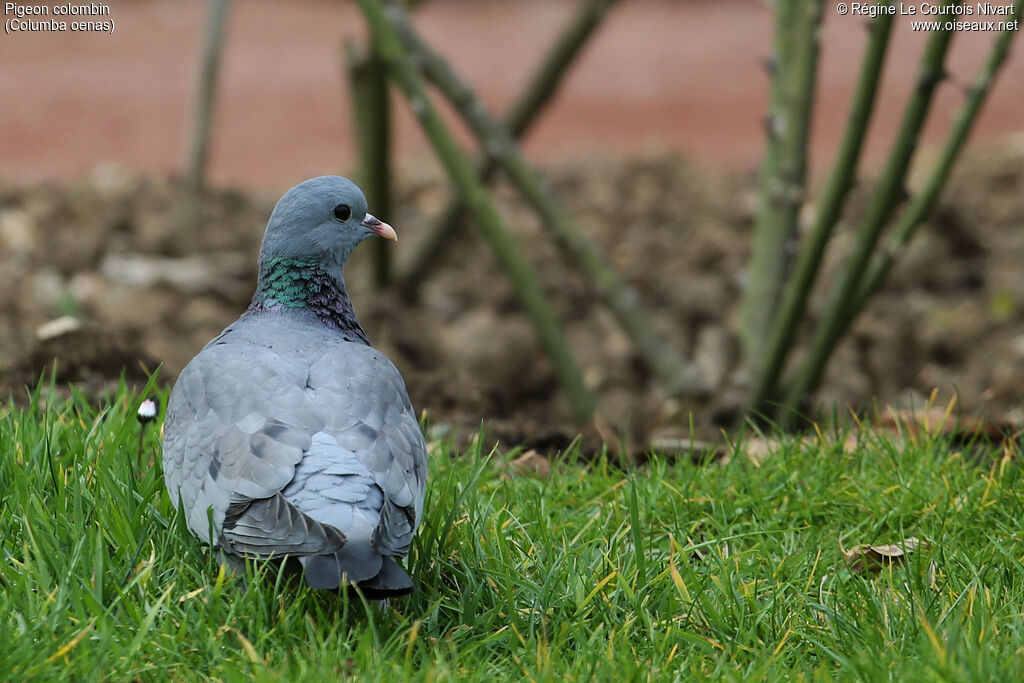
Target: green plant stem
{"x": 371, "y": 112}
{"x": 837, "y": 314}
{"x": 924, "y": 202}
{"x": 805, "y": 271}
{"x": 766, "y": 259}
{"x": 522, "y": 277}
{"x": 669, "y": 368}
{"x": 206, "y": 91}
{"x": 792, "y": 170}
{"x": 542, "y": 85}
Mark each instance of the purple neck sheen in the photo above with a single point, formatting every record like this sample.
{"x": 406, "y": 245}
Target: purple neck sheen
{"x": 297, "y": 285}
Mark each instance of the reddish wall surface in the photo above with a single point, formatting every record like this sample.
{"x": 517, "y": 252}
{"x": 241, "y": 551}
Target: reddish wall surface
{"x": 661, "y": 74}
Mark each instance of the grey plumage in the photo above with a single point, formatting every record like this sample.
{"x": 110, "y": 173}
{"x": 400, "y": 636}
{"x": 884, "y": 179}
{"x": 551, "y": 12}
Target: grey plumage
{"x": 288, "y": 434}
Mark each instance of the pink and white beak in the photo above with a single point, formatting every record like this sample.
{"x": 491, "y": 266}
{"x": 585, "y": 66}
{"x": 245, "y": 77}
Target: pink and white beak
{"x": 379, "y": 227}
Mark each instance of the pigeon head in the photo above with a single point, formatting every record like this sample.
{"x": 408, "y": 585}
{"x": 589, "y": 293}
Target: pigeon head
{"x": 320, "y": 220}
{"x": 310, "y": 235}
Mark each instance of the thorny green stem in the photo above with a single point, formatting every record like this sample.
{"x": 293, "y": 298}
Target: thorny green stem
{"x": 838, "y": 312}
{"x": 924, "y": 202}
{"x": 670, "y": 369}
{"x": 523, "y": 113}
{"x": 372, "y": 119}
{"x": 805, "y": 271}
{"x": 206, "y": 90}
{"x": 522, "y": 277}
{"x": 767, "y": 258}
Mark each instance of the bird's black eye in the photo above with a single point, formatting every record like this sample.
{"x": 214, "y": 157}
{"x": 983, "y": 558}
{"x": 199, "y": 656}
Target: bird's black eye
{"x": 342, "y": 212}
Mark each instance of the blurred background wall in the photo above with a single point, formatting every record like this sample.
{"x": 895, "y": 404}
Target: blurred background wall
{"x": 661, "y": 74}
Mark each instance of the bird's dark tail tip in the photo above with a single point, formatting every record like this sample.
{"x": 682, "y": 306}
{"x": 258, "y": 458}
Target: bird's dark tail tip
{"x": 390, "y": 582}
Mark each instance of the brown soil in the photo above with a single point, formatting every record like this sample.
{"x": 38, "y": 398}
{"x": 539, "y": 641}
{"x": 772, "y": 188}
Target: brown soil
{"x": 156, "y": 275}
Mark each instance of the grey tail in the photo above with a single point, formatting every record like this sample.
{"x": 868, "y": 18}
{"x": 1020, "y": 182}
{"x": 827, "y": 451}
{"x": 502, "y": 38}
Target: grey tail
{"x": 329, "y": 572}
{"x": 391, "y": 581}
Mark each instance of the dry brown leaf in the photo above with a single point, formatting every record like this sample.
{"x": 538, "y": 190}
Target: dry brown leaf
{"x": 758, "y": 448}
{"x": 531, "y": 462}
{"x": 865, "y": 558}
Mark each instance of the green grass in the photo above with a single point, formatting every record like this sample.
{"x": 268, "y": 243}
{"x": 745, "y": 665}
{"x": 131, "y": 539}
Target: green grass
{"x": 667, "y": 571}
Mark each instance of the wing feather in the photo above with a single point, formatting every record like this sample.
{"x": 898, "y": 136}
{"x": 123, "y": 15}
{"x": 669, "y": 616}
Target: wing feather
{"x": 237, "y": 426}
{"x": 241, "y": 418}
{"x": 382, "y": 430}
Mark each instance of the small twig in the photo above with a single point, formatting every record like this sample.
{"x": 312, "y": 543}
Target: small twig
{"x": 837, "y": 313}
{"x": 670, "y": 369}
{"x": 522, "y": 277}
{"x": 206, "y": 90}
{"x": 542, "y": 85}
{"x": 805, "y": 271}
